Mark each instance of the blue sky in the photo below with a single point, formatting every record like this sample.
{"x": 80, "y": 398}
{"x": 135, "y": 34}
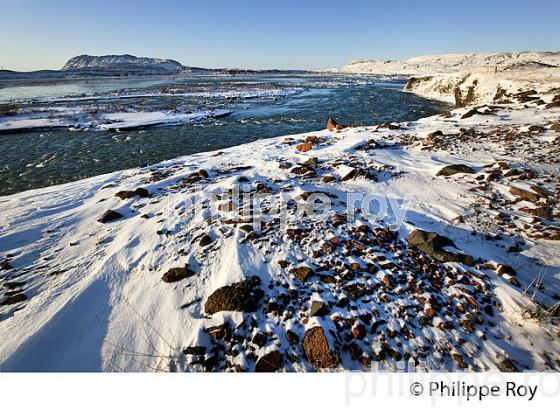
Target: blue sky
{"x": 310, "y": 34}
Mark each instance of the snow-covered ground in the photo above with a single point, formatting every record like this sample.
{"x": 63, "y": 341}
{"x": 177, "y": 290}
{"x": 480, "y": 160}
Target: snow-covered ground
{"x": 161, "y": 269}
{"x": 451, "y": 63}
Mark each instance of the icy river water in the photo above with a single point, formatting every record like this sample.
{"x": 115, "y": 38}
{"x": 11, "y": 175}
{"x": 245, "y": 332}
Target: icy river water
{"x": 78, "y": 138}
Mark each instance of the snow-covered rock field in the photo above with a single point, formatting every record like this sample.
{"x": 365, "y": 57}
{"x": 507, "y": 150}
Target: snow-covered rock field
{"x": 436, "y": 242}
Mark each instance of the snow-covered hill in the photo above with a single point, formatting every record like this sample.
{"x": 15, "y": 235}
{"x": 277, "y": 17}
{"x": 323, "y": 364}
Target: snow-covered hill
{"x": 124, "y": 62}
{"x": 449, "y": 63}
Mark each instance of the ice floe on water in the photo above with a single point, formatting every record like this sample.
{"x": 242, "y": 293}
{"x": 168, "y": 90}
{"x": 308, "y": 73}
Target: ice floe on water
{"x": 105, "y": 121}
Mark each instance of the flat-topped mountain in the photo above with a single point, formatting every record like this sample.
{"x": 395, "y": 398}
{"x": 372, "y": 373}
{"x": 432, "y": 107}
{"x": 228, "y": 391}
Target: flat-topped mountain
{"x": 123, "y": 62}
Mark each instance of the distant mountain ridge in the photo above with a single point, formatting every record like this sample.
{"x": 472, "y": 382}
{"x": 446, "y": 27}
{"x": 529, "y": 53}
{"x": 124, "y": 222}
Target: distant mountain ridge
{"x": 118, "y": 65}
{"x": 122, "y": 62}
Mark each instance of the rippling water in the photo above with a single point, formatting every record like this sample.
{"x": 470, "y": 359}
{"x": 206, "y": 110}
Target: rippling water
{"x": 261, "y": 107}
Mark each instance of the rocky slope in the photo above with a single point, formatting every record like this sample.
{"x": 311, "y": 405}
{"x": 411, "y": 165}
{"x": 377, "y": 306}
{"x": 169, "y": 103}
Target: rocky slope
{"x": 165, "y": 268}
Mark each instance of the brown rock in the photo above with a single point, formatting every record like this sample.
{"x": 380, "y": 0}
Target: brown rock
{"x": 358, "y": 331}
{"x": 270, "y": 362}
{"x": 332, "y": 125}
{"x": 109, "y": 216}
{"x": 304, "y": 147}
{"x": 220, "y": 332}
{"x": 316, "y": 349}
{"x": 177, "y": 274}
{"x": 433, "y": 244}
{"x": 302, "y": 272}
{"x": 507, "y": 366}
{"x": 238, "y": 297}
{"x": 455, "y": 169}
{"x": 541, "y": 212}
{"x": 460, "y": 361}
{"x": 525, "y": 195}
{"x": 141, "y": 192}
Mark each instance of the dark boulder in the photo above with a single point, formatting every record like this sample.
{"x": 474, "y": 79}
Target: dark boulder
{"x": 5, "y": 265}
{"x": 270, "y": 362}
{"x": 177, "y": 274}
{"x": 292, "y": 337}
{"x": 318, "y": 308}
{"x": 195, "y": 350}
{"x": 238, "y": 297}
{"x": 205, "y": 240}
{"x": 455, "y": 169}
{"x": 433, "y": 244}
{"x": 109, "y": 216}
{"x": 302, "y": 272}
{"x": 11, "y": 300}
{"x": 141, "y": 192}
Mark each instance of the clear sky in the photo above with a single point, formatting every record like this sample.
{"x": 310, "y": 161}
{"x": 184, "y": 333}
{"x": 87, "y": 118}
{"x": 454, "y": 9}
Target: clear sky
{"x": 307, "y": 34}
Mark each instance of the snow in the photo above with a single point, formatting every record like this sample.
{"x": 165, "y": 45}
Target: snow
{"x": 96, "y": 301}
{"x": 124, "y": 120}
{"x": 75, "y": 119}
{"x": 451, "y": 63}
{"x": 122, "y": 62}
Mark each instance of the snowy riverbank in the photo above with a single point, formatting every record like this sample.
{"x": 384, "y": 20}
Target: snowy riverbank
{"x": 164, "y": 283}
